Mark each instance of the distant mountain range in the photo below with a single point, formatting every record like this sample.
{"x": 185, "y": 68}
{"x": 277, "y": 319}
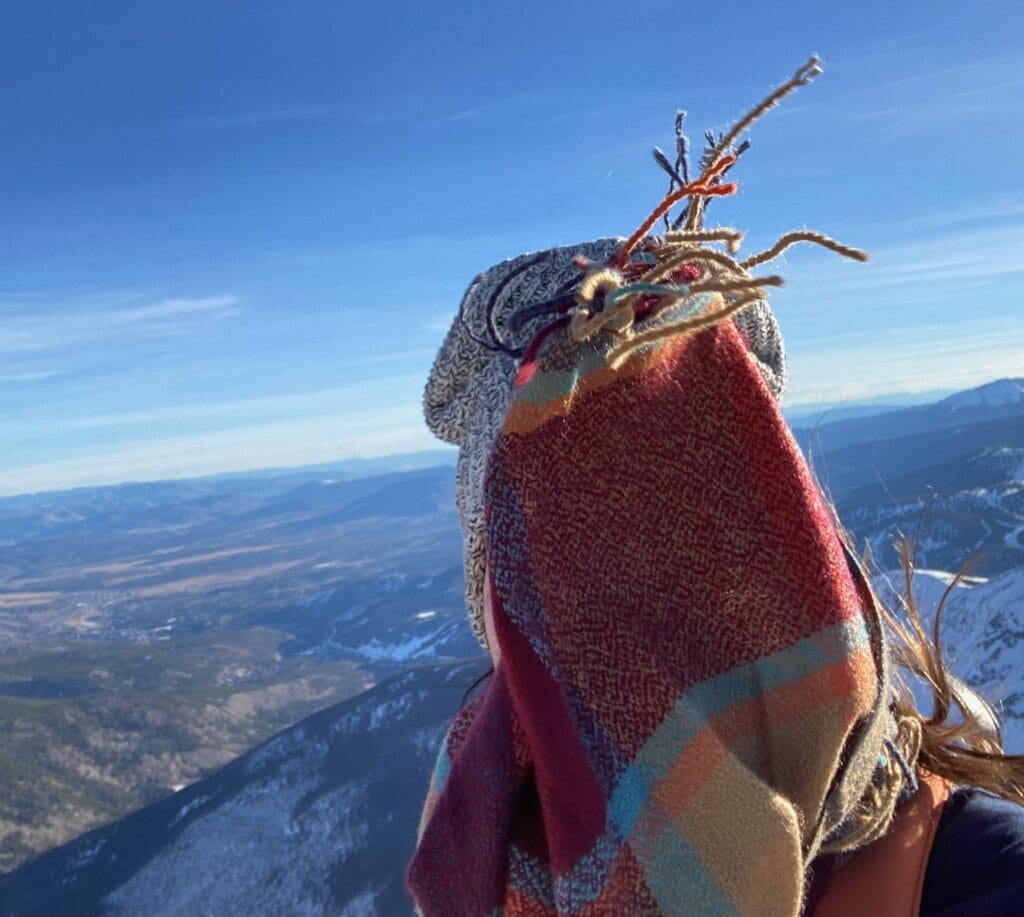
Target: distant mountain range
{"x": 813, "y": 413}
{"x": 321, "y": 818}
{"x": 155, "y": 504}
{"x": 999, "y": 400}
{"x": 948, "y": 475}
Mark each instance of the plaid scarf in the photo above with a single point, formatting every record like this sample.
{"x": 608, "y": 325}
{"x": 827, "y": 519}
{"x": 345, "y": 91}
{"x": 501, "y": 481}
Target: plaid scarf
{"x": 689, "y": 700}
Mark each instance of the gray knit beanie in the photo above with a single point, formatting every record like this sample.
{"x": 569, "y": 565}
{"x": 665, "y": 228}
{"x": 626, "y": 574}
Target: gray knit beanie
{"x": 467, "y": 393}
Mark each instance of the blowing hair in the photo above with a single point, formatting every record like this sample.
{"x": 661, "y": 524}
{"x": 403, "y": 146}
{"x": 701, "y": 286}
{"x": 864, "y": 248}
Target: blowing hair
{"x": 961, "y": 739}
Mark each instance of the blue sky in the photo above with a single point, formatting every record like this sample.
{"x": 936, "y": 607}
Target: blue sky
{"x": 232, "y": 235}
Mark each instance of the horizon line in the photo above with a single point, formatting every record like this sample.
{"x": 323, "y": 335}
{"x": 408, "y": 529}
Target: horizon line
{"x": 909, "y": 399}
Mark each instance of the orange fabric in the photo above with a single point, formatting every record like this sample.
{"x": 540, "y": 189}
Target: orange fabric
{"x": 886, "y": 878}
{"x": 699, "y": 188}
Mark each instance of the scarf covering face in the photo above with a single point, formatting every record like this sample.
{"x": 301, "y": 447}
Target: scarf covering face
{"x": 468, "y": 390}
{"x": 688, "y": 701}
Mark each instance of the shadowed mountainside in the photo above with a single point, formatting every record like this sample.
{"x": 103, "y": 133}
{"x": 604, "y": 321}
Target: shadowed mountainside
{"x": 145, "y": 642}
{"x": 320, "y": 819}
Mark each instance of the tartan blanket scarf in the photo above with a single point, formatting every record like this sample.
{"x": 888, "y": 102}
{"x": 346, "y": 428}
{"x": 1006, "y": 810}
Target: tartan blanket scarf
{"x": 688, "y": 696}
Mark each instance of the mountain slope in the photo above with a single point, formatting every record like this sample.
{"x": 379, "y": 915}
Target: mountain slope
{"x": 994, "y": 401}
{"x": 321, "y": 819}
{"x": 845, "y": 470}
{"x": 948, "y": 475}
{"x": 982, "y": 636}
{"x": 968, "y": 508}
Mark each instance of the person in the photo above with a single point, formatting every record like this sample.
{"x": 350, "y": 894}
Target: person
{"x": 694, "y": 707}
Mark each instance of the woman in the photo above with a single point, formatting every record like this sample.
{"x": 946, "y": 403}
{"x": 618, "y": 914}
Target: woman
{"x": 692, "y": 709}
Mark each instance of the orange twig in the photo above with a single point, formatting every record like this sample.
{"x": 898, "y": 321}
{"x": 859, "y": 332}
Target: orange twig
{"x": 699, "y": 188}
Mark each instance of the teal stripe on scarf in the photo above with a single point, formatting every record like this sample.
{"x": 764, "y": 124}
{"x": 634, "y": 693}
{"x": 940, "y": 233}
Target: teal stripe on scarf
{"x": 715, "y": 696}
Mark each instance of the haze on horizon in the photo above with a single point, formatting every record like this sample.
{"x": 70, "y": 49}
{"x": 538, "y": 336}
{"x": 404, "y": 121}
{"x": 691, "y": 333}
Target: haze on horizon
{"x": 234, "y": 239}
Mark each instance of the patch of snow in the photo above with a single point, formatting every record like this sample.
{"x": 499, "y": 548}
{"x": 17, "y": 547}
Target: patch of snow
{"x": 363, "y": 906}
{"x": 946, "y": 578}
{"x": 283, "y": 856}
{"x": 275, "y": 749}
{"x": 995, "y": 394}
{"x": 350, "y": 613}
{"x": 389, "y": 710}
{"x": 86, "y": 856}
{"x": 389, "y": 583}
{"x": 413, "y": 648}
{"x": 979, "y": 545}
{"x": 427, "y": 739}
{"x": 184, "y": 810}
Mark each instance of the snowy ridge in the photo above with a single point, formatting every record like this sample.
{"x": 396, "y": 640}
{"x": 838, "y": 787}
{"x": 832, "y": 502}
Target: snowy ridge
{"x": 993, "y": 395}
{"x": 982, "y": 636}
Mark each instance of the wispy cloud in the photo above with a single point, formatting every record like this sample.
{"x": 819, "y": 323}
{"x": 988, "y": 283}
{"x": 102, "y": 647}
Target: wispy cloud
{"x": 890, "y": 94}
{"x": 40, "y": 376}
{"x": 491, "y": 106}
{"x": 924, "y": 265}
{"x": 946, "y": 109}
{"x": 466, "y": 114}
{"x": 434, "y": 114}
{"x": 957, "y": 255}
{"x": 243, "y": 120}
{"x": 298, "y": 407}
{"x": 995, "y": 210}
{"x": 905, "y": 360}
{"x": 292, "y": 443}
{"x": 59, "y": 328}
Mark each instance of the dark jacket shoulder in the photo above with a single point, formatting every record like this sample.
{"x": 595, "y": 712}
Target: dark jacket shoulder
{"x": 976, "y": 866}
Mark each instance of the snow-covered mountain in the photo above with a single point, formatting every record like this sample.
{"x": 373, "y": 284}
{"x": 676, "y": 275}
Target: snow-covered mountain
{"x": 321, "y": 819}
{"x": 999, "y": 394}
{"x": 982, "y": 637}
{"x": 968, "y": 508}
{"x": 948, "y": 475}
{"x": 997, "y": 400}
